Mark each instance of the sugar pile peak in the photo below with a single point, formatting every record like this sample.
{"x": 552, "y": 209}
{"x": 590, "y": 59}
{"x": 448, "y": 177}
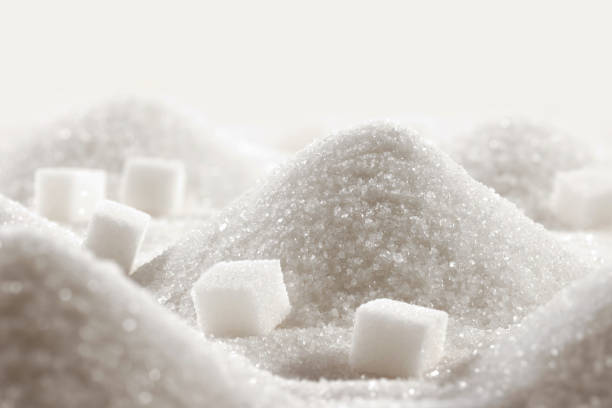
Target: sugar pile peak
{"x": 397, "y": 339}
{"x": 116, "y": 232}
{"x": 241, "y": 298}
{"x": 68, "y": 194}
{"x": 376, "y": 212}
{"x": 153, "y": 185}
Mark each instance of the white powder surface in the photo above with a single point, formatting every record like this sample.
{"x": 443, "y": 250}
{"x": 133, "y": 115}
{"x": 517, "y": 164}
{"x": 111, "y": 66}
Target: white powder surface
{"x": 75, "y": 332}
{"x": 519, "y": 160}
{"x": 13, "y": 214}
{"x": 165, "y": 232}
{"x": 103, "y": 137}
{"x": 561, "y": 355}
{"x": 376, "y": 212}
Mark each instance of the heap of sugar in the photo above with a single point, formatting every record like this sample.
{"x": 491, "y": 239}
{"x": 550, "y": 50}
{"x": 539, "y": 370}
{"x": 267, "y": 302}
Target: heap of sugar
{"x": 13, "y": 214}
{"x": 104, "y": 136}
{"x": 116, "y": 232}
{"x": 397, "y": 339}
{"x": 582, "y": 199}
{"x": 519, "y": 160}
{"x": 241, "y": 298}
{"x": 561, "y": 355}
{"x": 376, "y": 212}
{"x": 75, "y": 332}
{"x": 68, "y": 194}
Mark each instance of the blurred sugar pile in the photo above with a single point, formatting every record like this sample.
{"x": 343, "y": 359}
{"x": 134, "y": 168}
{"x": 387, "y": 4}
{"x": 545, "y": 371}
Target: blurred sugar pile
{"x": 460, "y": 221}
{"x": 219, "y": 169}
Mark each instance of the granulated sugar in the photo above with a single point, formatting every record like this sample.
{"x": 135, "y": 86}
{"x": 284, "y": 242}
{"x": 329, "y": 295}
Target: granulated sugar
{"x": 376, "y": 212}
{"x": 165, "y": 232}
{"x": 371, "y": 212}
{"x": 561, "y": 355}
{"x": 14, "y": 214}
{"x": 217, "y": 170}
{"x": 519, "y": 160}
{"x": 74, "y": 332}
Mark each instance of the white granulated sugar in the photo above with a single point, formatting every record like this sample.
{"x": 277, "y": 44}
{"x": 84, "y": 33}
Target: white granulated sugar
{"x": 105, "y": 136}
{"x": 241, "y": 298}
{"x": 75, "y": 332}
{"x": 560, "y": 356}
{"x": 519, "y": 160}
{"x": 116, "y": 232}
{"x": 68, "y": 194}
{"x": 13, "y": 214}
{"x": 397, "y": 339}
{"x": 163, "y": 233}
{"x": 582, "y": 199}
{"x": 376, "y": 212}
{"x": 153, "y": 185}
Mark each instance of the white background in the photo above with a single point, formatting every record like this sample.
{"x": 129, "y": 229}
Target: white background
{"x": 291, "y": 63}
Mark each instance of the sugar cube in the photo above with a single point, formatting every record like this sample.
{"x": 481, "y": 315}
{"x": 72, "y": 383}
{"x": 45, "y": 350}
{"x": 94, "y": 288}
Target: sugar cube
{"x": 116, "y": 232}
{"x": 397, "y": 339}
{"x": 68, "y": 194}
{"x": 241, "y": 298}
{"x": 583, "y": 198}
{"x": 153, "y": 185}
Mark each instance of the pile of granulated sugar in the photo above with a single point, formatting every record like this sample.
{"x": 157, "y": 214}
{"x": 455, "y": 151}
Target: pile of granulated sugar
{"x": 13, "y": 213}
{"x": 519, "y": 160}
{"x": 376, "y": 212}
{"x": 218, "y": 170}
{"x": 560, "y": 356}
{"x": 371, "y": 212}
{"x": 76, "y": 332}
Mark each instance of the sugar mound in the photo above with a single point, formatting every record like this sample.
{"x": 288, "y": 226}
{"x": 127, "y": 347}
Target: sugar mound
{"x": 14, "y": 214}
{"x": 217, "y": 170}
{"x": 561, "y": 355}
{"x": 75, "y": 332}
{"x": 376, "y": 212}
{"x": 519, "y": 160}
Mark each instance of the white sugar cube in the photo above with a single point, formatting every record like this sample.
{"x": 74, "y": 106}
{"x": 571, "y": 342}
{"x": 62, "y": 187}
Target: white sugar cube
{"x": 156, "y": 186}
{"x": 583, "y": 198}
{"x": 241, "y": 298}
{"x": 68, "y": 194}
{"x": 116, "y": 232}
{"x": 397, "y": 339}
